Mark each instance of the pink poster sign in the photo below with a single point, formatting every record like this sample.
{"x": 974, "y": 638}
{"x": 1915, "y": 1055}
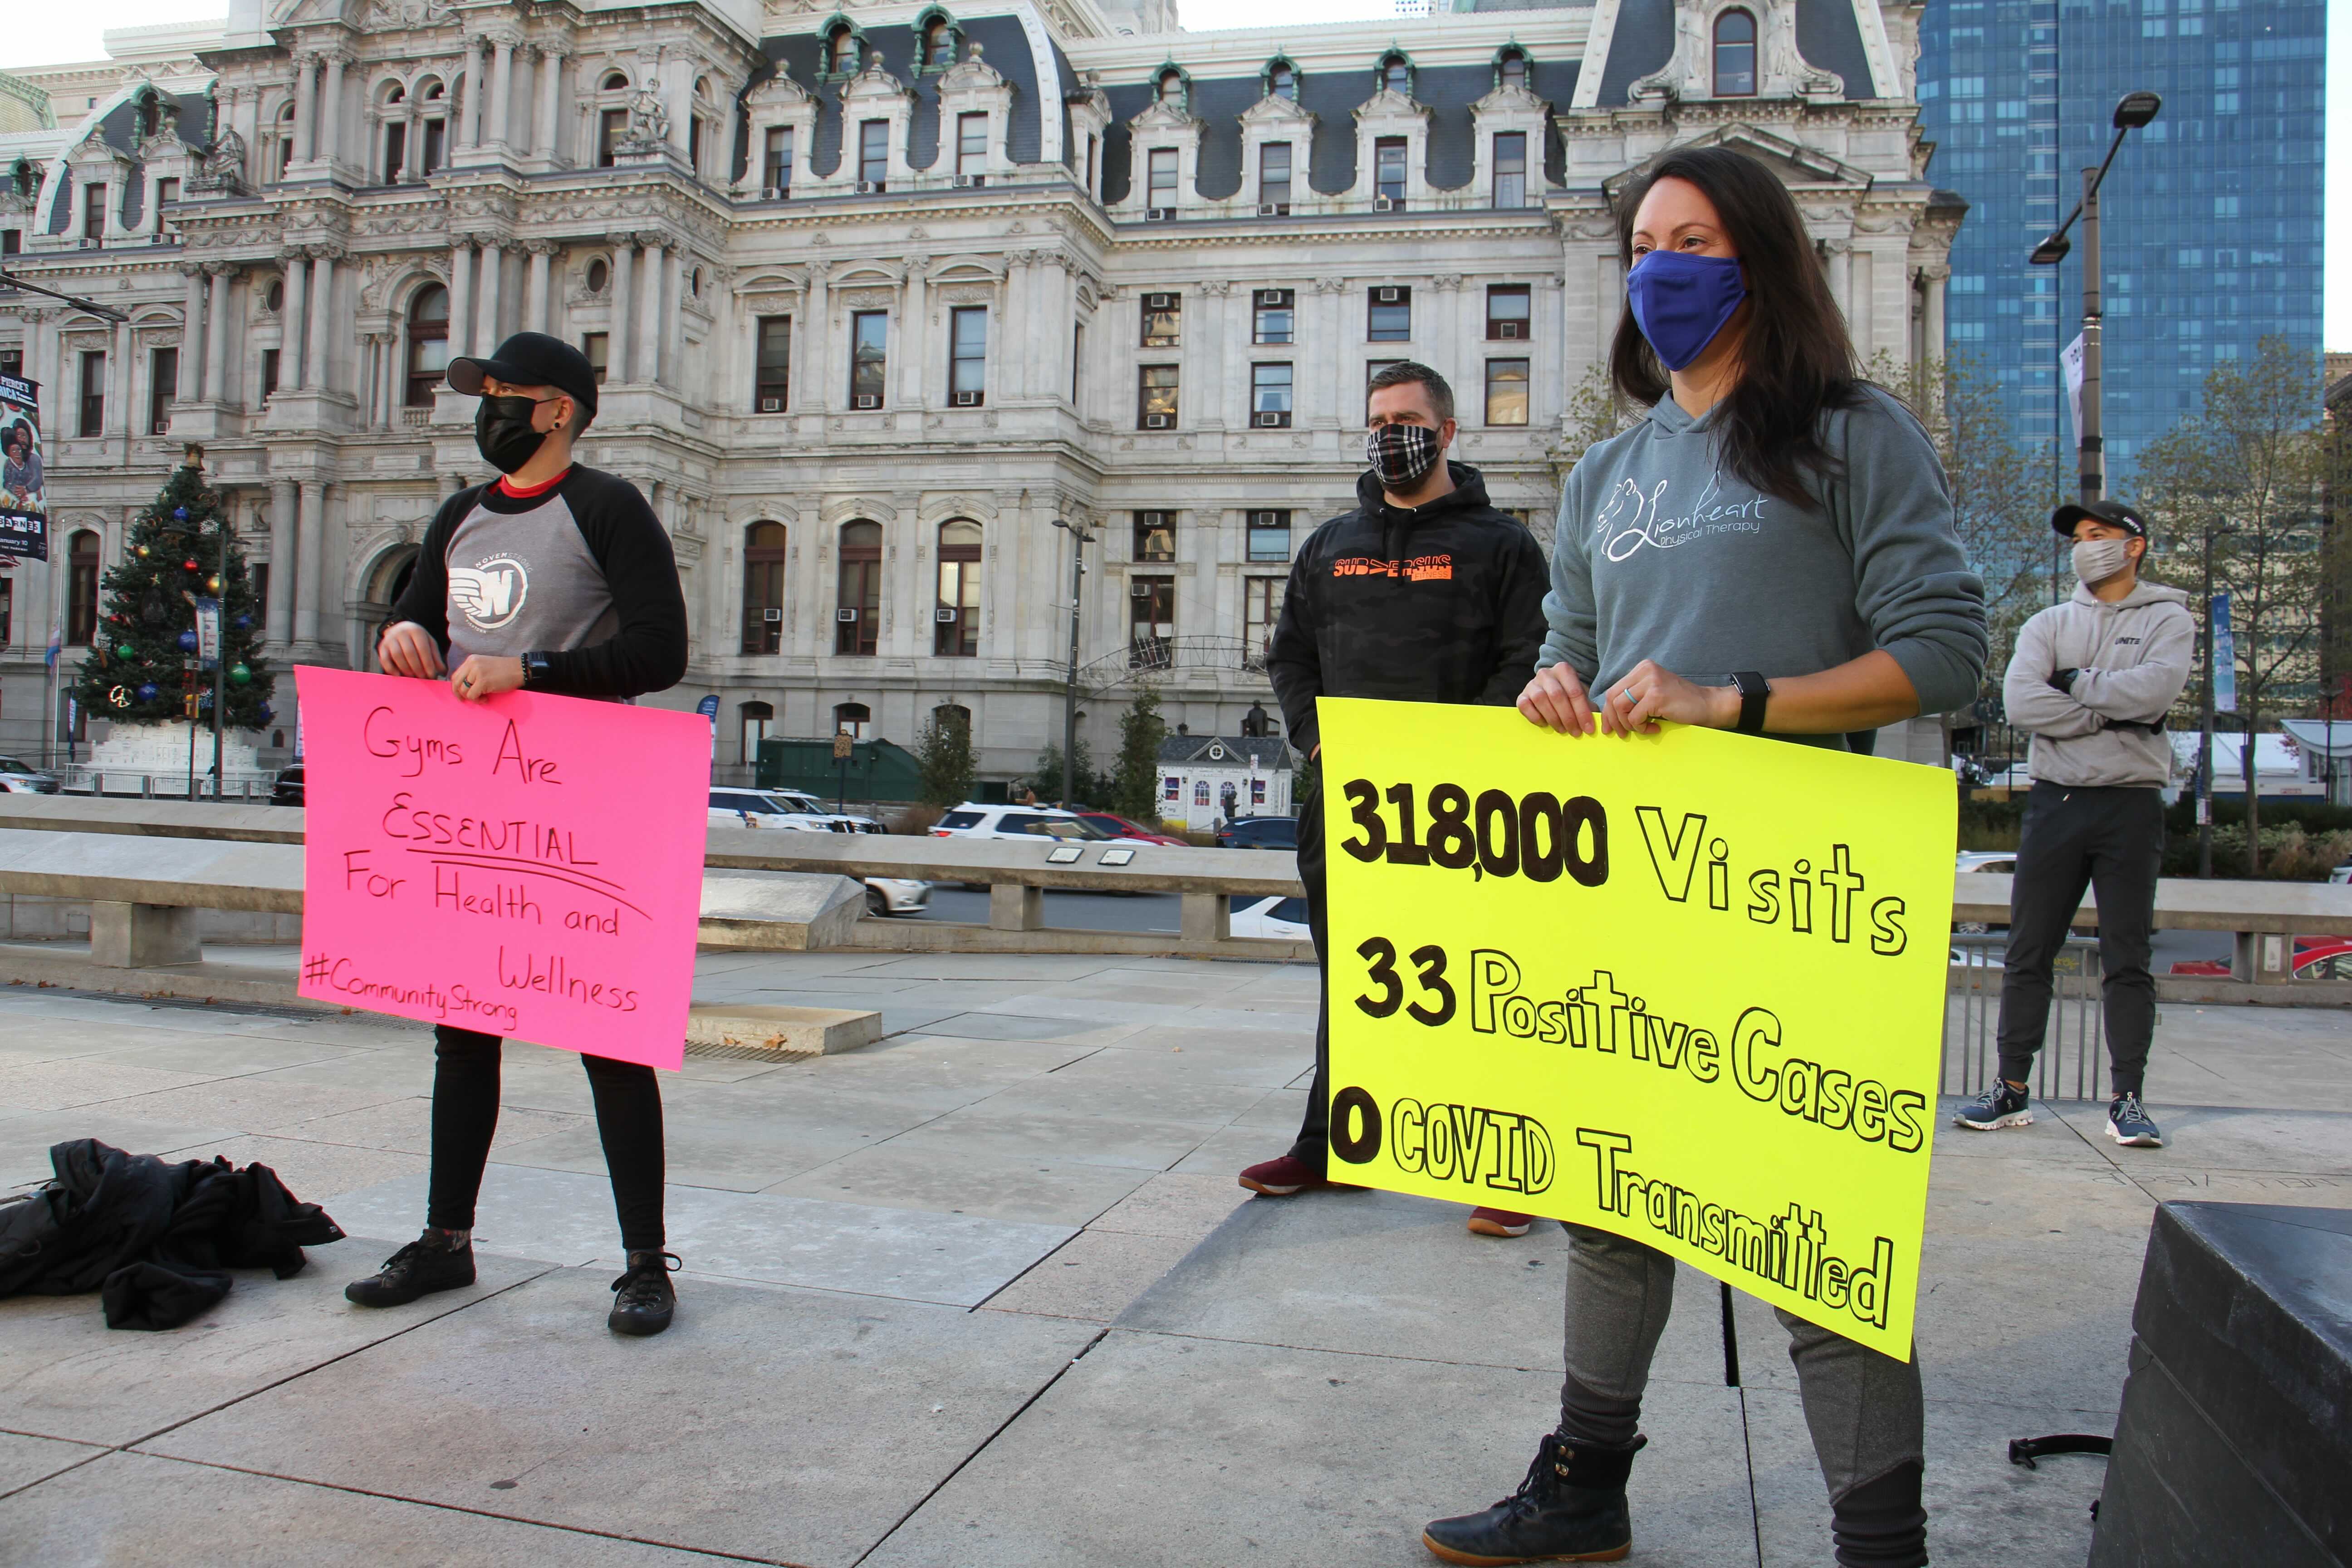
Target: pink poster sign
{"x": 527, "y": 866}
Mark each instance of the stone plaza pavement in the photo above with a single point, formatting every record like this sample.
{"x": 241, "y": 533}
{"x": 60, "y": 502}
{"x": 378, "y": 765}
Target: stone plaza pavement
{"x": 984, "y": 1293}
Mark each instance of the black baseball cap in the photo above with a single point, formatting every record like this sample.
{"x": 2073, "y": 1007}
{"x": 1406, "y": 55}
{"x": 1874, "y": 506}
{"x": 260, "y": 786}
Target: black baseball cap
{"x": 2114, "y": 513}
{"x": 530, "y": 359}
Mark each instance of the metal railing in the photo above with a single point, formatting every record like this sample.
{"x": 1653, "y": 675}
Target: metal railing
{"x": 127, "y": 783}
{"x": 1972, "y": 1046}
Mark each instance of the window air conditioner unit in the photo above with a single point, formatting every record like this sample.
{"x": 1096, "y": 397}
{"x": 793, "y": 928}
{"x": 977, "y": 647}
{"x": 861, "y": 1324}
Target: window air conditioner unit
{"x": 844, "y": 615}
{"x": 1384, "y": 204}
{"x": 869, "y": 187}
{"x": 1385, "y": 296}
{"x": 1138, "y": 590}
{"x": 771, "y": 192}
{"x": 869, "y": 400}
{"x": 1265, "y": 419}
{"x": 967, "y": 400}
{"x": 1269, "y": 297}
{"x": 159, "y": 240}
{"x": 86, "y": 243}
{"x": 1274, "y": 209}
{"x": 772, "y": 405}
{"x": 1159, "y": 302}
{"x": 966, "y": 182}
{"x": 772, "y": 614}
{"x": 1509, "y": 329}
{"x": 944, "y": 615}
{"x": 1155, "y": 422}
{"x": 1158, "y": 214}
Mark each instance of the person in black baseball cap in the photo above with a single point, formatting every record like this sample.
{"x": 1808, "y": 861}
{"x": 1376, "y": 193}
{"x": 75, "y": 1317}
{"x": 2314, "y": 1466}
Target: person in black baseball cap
{"x": 2063, "y": 520}
{"x": 533, "y": 388}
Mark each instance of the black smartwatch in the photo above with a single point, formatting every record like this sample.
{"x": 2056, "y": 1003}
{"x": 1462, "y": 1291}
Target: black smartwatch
{"x": 1753, "y": 690}
{"x": 536, "y": 671}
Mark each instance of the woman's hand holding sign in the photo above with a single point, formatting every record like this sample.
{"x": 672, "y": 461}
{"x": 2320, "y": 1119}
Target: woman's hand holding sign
{"x": 1555, "y": 698}
{"x": 409, "y": 650}
{"x": 1649, "y": 693}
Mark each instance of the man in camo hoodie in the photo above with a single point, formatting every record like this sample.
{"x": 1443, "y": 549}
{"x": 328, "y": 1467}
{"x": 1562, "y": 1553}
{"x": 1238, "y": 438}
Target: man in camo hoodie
{"x": 2091, "y": 679}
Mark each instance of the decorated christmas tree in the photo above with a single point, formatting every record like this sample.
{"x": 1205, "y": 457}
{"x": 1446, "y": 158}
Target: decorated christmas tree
{"x": 146, "y": 630}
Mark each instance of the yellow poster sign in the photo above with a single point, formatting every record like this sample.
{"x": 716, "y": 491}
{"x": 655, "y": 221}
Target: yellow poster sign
{"x": 1687, "y": 988}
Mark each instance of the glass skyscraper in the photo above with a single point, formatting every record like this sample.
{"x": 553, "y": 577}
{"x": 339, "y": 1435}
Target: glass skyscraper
{"x": 2210, "y": 220}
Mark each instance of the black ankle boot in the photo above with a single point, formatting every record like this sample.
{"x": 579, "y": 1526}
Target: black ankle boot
{"x": 642, "y": 1298}
{"x": 426, "y": 1265}
{"x": 1570, "y": 1509}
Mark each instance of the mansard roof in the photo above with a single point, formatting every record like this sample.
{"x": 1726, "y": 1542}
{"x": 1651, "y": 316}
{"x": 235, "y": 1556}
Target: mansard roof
{"x": 1828, "y": 36}
{"x": 117, "y": 129}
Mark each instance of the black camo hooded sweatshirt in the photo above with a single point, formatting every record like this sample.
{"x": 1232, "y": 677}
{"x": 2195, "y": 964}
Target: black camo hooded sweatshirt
{"x": 1442, "y": 603}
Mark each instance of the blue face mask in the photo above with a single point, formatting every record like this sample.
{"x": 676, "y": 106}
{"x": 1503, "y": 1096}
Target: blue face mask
{"x": 1680, "y": 301}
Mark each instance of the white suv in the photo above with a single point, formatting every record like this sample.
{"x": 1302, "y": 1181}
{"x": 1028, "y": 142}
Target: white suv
{"x": 973, "y": 820}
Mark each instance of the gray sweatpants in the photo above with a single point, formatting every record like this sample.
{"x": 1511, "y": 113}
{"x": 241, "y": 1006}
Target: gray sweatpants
{"x": 1863, "y": 1407}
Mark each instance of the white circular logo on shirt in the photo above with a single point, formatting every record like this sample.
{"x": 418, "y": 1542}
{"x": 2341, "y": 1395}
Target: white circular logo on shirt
{"x": 489, "y": 594}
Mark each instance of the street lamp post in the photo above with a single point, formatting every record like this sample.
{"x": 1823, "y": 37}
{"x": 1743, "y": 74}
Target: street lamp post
{"x": 1080, "y": 539}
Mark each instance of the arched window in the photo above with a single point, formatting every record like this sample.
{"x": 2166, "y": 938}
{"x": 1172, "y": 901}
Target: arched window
{"x": 840, "y": 51}
{"x": 953, "y": 718}
{"x": 763, "y": 588}
{"x": 615, "y": 81}
{"x": 1735, "y": 55}
{"x": 431, "y": 133}
{"x": 854, "y": 720}
{"x": 150, "y": 114}
{"x": 1282, "y": 81}
{"x": 428, "y": 343}
{"x": 1514, "y": 69}
{"x": 27, "y": 179}
{"x": 1396, "y": 76}
{"x": 939, "y": 44}
{"x": 81, "y": 587}
{"x": 1171, "y": 88}
{"x": 857, "y": 602}
{"x": 284, "y": 154}
{"x": 755, "y": 717}
{"x": 396, "y": 133}
{"x": 956, "y": 621}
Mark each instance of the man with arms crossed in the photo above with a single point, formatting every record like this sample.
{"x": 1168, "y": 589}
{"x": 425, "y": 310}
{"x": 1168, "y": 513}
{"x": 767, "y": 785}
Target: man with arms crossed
{"x": 1422, "y": 594}
{"x": 554, "y": 578}
{"x": 2091, "y": 679}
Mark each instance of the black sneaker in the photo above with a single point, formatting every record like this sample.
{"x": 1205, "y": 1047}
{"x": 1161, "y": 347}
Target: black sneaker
{"x": 643, "y": 1299}
{"x": 2127, "y": 1123}
{"x": 1997, "y": 1107}
{"x": 426, "y": 1265}
{"x": 1570, "y": 1509}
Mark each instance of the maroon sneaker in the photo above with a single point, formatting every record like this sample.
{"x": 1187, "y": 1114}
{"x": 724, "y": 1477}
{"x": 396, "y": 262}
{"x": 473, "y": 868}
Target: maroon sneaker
{"x": 1499, "y": 1222}
{"x": 1281, "y": 1178}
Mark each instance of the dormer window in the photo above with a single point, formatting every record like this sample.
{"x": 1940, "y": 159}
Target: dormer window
{"x": 1282, "y": 81}
{"x": 1513, "y": 71}
{"x": 939, "y": 44}
{"x": 841, "y": 52}
{"x": 27, "y": 182}
{"x": 1735, "y": 55}
{"x": 1171, "y": 88}
{"x": 1396, "y": 76}
{"x": 150, "y": 114}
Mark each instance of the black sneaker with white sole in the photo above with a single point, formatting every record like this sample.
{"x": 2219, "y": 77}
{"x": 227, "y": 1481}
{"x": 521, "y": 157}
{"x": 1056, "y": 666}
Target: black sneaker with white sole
{"x": 1997, "y": 1107}
{"x": 2128, "y": 1123}
{"x": 426, "y": 1265}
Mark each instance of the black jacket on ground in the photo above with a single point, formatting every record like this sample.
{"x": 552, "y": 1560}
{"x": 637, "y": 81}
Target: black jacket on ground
{"x": 154, "y": 1238}
{"x": 1442, "y": 603}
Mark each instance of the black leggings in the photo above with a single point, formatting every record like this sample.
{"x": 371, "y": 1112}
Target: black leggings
{"x": 465, "y": 1116}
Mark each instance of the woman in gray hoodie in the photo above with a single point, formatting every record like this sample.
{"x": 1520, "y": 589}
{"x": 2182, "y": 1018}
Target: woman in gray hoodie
{"x": 1772, "y": 550}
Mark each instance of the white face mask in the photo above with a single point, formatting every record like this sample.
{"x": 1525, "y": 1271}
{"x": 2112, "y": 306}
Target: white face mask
{"x": 2096, "y": 560}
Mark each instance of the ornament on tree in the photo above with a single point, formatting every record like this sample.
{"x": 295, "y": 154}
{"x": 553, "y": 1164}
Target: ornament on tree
{"x": 265, "y": 714}
{"x": 243, "y": 623}
{"x": 181, "y": 512}
{"x": 212, "y": 584}
{"x": 125, "y": 651}
{"x": 119, "y": 696}
{"x": 240, "y": 674}
{"x": 192, "y": 564}
{"x": 187, "y": 642}
{"x": 144, "y": 552}
{"x": 147, "y": 690}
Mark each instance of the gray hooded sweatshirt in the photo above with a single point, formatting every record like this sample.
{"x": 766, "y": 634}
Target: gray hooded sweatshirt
{"x": 2134, "y": 660}
{"x": 1662, "y": 553}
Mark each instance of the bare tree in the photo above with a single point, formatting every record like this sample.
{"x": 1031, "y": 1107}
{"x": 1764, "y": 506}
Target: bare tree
{"x": 2239, "y": 488}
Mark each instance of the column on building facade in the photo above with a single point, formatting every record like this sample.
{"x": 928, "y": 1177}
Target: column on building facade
{"x": 1546, "y": 386}
{"x": 536, "y": 316}
{"x": 191, "y": 335}
{"x": 1937, "y": 275}
{"x": 649, "y": 318}
{"x": 494, "y": 129}
{"x": 915, "y": 315}
{"x": 388, "y": 378}
{"x": 550, "y": 73}
{"x": 306, "y": 105}
{"x": 673, "y": 319}
{"x": 469, "y": 97}
{"x": 1841, "y": 271}
{"x": 216, "y": 330}
{"x": 310, "y": 554}
{"x": 1462, "y": 319}
{"x": 461, "y": 297}
{"x": 1014, "y": 377}
{"x": 1345, "y": 404}
{"x": 276, "y": 612}
{"x": 1860, "y": 312}
{"x": 1233, "y": 339}
{"x": 617, "y": 341}
{"x": 808, "y": 340}
{"x": 316, "y": 369}
{"x": 486, "y": 306}
{"x": 1064, "y": 326}
{"x": 330, "y": 107}
{"x": 118, "y": 378}
{"x": 292, "y": 316}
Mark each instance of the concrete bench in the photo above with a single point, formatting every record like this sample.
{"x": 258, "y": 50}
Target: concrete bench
{"x": 2263, "y": 917}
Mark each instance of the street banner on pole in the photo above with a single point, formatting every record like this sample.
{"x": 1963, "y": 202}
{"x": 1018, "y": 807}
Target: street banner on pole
{"x": 208, "y": 630}
{"x": 529, "y": 866}
{"x": 24, "y": 485}
{"x": 1687, "y": 988}
{"x": 2070, "y": 365}
{"x": 2225, "y": 657}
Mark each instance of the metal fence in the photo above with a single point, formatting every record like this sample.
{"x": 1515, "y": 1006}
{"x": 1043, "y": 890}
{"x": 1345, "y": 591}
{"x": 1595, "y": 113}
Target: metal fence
{"x": 247, "y": 786}
{"x": 2063, "y": 1071}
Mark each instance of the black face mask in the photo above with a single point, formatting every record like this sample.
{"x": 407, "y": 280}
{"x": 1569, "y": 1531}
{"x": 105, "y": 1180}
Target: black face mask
{"x": 502, "y": 431}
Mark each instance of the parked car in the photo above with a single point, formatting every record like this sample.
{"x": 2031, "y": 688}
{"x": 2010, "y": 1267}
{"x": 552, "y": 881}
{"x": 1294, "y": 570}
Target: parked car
{"x": 2342, "y": 873}
{"x": 1277, "y": 920}
{"x": 974, "y": 820}
{"x": 21, "y": 778}
{"x": 787, "y": 811}
{"x": 286, "y": 788}
{"x": 1259, "y": 833}
{"x": 1121, "y": 827}
{"x": 2316, "y": 957}
{"x": 2002, "y": 861}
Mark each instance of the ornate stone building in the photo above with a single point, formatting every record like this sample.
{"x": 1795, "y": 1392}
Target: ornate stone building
{"x": 879, "y": 296}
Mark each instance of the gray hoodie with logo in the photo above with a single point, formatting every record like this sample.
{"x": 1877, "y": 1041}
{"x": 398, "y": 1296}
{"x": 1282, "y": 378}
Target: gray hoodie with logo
{"x": 2133, "y": 656}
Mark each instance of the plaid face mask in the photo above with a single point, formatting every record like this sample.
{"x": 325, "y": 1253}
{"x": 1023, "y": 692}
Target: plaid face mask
{"x": 1401, "y": 454}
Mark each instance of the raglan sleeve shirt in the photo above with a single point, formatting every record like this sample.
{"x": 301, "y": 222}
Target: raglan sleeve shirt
{"x": 425, "y": 600}
{"x": 2145, "y": 692}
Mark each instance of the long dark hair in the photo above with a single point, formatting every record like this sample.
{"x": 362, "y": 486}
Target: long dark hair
{"x": 1796, "y": 360}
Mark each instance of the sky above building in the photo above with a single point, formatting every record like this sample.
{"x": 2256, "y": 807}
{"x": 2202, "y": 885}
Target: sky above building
{"x": 54, "y": 35}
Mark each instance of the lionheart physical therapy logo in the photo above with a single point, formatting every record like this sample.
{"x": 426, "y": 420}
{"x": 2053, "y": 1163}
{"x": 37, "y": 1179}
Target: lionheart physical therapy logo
{"x": 491, "y": 594}
{"x": 1634, "y": 518}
